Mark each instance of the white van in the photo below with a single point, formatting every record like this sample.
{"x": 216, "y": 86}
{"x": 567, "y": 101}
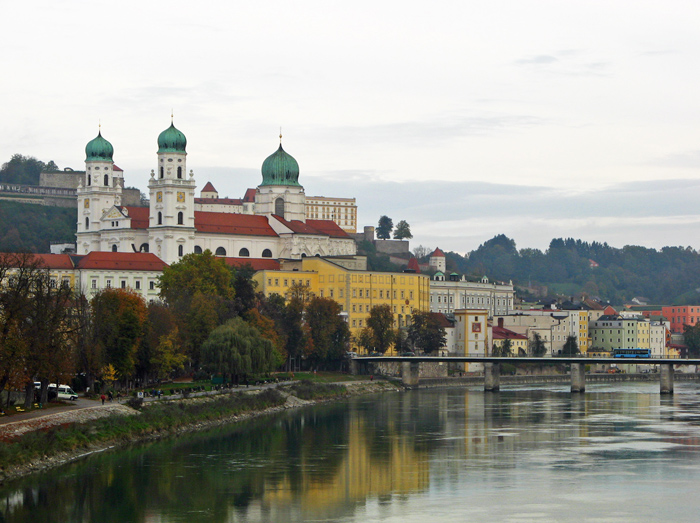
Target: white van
{"x": 64, "y": 392}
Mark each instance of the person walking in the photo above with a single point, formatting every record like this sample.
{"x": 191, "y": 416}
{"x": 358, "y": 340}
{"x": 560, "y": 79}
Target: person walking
{"x": 103, "y": 399}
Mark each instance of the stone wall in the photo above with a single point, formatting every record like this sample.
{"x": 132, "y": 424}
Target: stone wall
{"x": 61, "y": 179}
{"x": 393, "y": 369}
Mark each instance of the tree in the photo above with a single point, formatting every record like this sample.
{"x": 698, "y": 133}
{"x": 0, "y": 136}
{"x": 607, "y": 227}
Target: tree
{"x": 505, "y": 349}
{"x": 426, "y": 332}
{"x": 537, "y": 346}
{"x": 119, "y": 317}
{"x": 381, "y": 325}
{"x": 204, "y": 273}
{"x": 402, "y": 231}
{"x": 384, "y": 228}
{"x": 691, "y": 336}
{"x": 268, "y": 330}
{"x": 570, "y": 346}
{"x": 24, "y": 170}
{"x": 237, "y": 349}
{"x": 160, "y": 353}
{"x": 329, "y": 331}
{"x": 421, "y": 251}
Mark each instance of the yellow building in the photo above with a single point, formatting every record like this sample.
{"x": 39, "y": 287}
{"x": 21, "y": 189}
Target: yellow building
{"x": 471, "y": 335}
{"x": 342, "y": 211}
{"x": 355, "y": 290}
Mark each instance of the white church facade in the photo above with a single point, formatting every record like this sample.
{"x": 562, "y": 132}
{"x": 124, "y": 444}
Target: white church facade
{"x": 271, "y": 223}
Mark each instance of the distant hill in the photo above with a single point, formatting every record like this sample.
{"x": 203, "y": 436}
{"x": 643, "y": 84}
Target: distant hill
{"x": 28, "y": 227}
{"x": 569, "y": 267}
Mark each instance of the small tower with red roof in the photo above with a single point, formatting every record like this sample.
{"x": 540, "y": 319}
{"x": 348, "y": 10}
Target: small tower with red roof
{"x": 437, "y": 260}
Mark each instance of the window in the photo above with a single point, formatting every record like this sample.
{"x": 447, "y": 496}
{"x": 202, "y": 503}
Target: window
{"x": 286, "y": 284}
{"x": 87, "y": 223}
{"x": 161, "y": 171}
{"x": 109, "y": 284}
{"x": 94, "y": 284}
{"x": 89, "y": 179}
{"x": 123, "y": 284}
{"x": 180, "y": 218}
{"x": 106, "y": 180}
{"x": 267, "y": 253}
{"x": 220, "y": 251}
{"x": 160, "y": 218}
{"x": 138, "y": 284}
{"x": 243, "y": 252}
{"x": 152, "y": 285}
{"x": 197, "y": 249}
{"x": 279, "y": 207}
{"x": 179, "y": 172}
{"x": 143, "y": 248}
{"x": 114, "y": 248}
{"x": 180, "y": 250}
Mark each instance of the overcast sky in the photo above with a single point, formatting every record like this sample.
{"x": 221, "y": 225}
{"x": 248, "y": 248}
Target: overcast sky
{"x": 534, "y": 119}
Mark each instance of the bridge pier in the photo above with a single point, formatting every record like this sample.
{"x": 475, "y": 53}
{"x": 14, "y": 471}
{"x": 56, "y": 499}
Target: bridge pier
{"x": 666, "y": 378}
{"x": 492, "y": 377}
{"x": 354, "y": 367}
{"x": 578, "y": 377}
{"x": 410, "y": 372}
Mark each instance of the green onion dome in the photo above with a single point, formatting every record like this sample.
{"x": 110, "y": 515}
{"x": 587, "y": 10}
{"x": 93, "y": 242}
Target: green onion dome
{"x": 98, "y": 150}
{"x": 280, "y": 168}
{"x": 171, "y": 141}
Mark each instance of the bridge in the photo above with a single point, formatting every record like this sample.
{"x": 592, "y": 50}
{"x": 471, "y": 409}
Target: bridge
{"x": 410, "y": 367}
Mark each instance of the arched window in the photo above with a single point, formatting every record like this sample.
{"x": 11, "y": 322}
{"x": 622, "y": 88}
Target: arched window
{"x": 114, "y": 248}
{"x": 89, "y": 179}
{"x": 243, "y": 252}
{"x": 106, "y": 180}
{"x": 87, "y": 223}
{"x": 279, "y": 207}
{"x": 179, "y": 172}
{"x": 162, "y": 171}
{"x": 197, "y": 249}
{"x": 143, "y": 248}
{"x": 180, "y": 250}
{"x": 267, "y": 253}
{"x": 303, "y": 255}
{"x": 220, "y": 251}
{"x": 160, "y": 218}
{"x": 180, "y": 218}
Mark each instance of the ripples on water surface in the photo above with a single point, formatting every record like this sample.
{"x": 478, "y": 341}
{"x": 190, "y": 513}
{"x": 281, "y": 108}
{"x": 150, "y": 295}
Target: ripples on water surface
{"x": 619, "y": 453}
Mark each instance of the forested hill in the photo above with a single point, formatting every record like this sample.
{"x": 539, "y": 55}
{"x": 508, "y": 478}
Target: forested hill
{"x": 29, "y": 227}
{"x": 669, "y": 276}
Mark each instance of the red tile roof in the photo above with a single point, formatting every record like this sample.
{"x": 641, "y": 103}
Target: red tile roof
{"x": 437, "y": 253}
{"x": 413, "y": 265}
{"x": 209, "y": 188}
{"x": 139, "y": 216}
{"x": 219, "y": 201}
{"x": 231, "y": 223}
{"x": 328, "y": 227}
{"x": 501, "y": 333}
{"x": 296, "y": 226}
{"x": 249, "y": 196}
{"x": 115, "y": 167}
{"x": 56, "y": 261}
{"x": 442, "y": 320}
{"x": 123, "y": 261}
{"x": 258, "y": 264}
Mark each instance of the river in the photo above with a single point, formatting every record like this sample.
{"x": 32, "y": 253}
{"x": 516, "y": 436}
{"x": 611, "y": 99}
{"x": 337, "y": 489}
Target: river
{"x": 618, "y": 453}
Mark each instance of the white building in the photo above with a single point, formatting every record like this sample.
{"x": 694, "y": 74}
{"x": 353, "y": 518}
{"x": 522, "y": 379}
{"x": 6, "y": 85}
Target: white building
{"x": 452, "y": 292}
{"x": 272, "y": 224}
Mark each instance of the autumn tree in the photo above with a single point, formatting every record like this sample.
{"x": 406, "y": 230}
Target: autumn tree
{"x": 329, "y": 331}
{"x": 381, "y": 324}
{"x": 268, "y": 330}
{"x": 119, "y": 317}
{"x": 426, "y": 331}
{"x": 160, "y": 352}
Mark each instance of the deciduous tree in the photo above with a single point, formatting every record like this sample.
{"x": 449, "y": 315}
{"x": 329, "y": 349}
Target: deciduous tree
{"x": 570, "y": 346}
{"x": 537, "y": 346}
{"x": 329, "y": 331}
{"x": 426, "y": 332}
{"x": 381, "y": 324}
{"x": 384, "y": 228}
{"x": 402, "y": 231}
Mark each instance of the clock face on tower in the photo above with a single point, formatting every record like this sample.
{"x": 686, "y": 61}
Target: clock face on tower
{"x": 180, "y": 196}
{"x": 87, "y": 203}
{"x": 159, "y": 196}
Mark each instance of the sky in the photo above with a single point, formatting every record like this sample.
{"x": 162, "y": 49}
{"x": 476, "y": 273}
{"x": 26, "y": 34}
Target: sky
{"x": 537, "y": 119}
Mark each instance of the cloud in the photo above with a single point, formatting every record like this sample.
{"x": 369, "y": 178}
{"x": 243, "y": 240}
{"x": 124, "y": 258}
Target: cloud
{"x": 685, "y": 160}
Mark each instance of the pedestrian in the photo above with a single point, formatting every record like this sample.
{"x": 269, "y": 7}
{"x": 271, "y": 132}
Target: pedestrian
{"x": 103, "y": 398}
{"x": 111, "y": 396}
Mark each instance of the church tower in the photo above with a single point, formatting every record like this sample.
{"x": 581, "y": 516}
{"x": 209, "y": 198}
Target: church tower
{"x": 171, "y": 219}
{"x": 280, "y": 192}
{"x": 100, "y": 189}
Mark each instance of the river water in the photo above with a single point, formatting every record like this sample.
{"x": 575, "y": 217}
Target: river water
{"x": 618, "y": 453}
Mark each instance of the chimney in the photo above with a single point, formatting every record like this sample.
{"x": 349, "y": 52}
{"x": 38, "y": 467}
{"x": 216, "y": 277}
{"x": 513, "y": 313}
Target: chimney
{"x": 500, "y": 322}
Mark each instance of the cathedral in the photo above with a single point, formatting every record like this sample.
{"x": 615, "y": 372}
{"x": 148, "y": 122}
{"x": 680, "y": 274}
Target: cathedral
{"x": 271, "y": 223}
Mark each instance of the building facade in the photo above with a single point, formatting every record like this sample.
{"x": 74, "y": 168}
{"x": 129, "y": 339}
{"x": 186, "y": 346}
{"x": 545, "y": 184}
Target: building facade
{"x": 269, "y": 223}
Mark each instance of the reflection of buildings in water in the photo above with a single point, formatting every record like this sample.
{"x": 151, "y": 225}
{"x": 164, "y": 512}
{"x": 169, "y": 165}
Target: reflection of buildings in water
{"x": 396, "y": 469}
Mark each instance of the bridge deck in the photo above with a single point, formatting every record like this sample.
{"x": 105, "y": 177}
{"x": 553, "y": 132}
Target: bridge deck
{"x": 530, "y": 359}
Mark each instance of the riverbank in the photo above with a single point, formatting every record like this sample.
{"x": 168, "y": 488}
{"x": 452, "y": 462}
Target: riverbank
{"x": 34, "y": 445}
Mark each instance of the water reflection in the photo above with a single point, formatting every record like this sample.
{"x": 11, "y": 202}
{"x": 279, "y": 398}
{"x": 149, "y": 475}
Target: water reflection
{"x": 437, "y": 454}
